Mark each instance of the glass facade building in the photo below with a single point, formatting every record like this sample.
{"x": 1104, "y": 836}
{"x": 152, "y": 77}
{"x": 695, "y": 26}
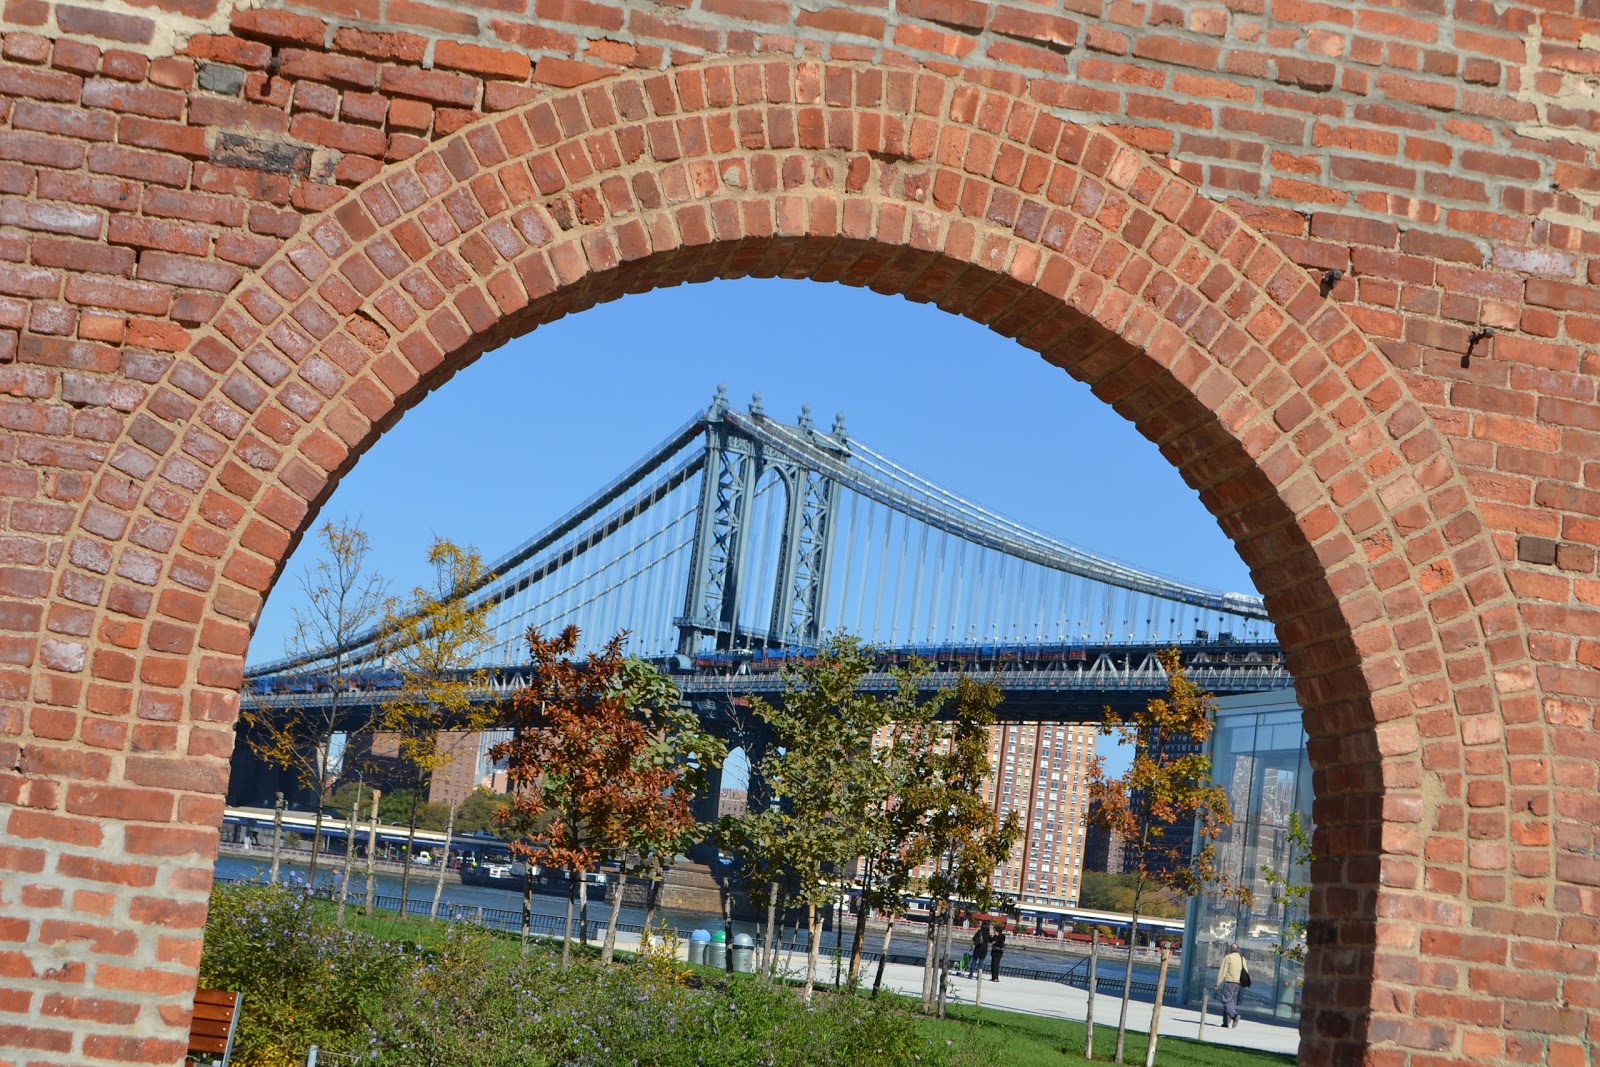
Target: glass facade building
{"x": 1258, "y": 753}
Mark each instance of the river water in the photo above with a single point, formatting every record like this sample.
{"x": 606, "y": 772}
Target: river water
{"x": 456, "y": 899}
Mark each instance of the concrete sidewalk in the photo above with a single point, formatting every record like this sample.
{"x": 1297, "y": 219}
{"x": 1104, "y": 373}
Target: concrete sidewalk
{"x": 1069, "y": 1002}
{"x": 1061, "y": 1001}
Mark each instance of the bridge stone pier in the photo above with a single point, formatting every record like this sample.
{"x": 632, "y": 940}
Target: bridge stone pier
{"x": 238, "y": 240}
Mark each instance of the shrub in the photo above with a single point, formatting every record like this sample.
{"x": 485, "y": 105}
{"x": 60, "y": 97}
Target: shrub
{"x": 304, "y": 981}
{"x": 474, "y": 999}
{"x": 469, "y": 1005}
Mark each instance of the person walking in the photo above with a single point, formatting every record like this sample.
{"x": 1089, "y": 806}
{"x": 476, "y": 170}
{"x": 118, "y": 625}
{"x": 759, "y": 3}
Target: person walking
{"x": 1231, "y": 976}
{"x": 980, "y": 949}
{"x": 997, "y": 948}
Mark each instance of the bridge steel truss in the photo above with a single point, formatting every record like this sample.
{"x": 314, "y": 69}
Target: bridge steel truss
{"x": 680, "y": 525}
{"x": 736, "y": 461}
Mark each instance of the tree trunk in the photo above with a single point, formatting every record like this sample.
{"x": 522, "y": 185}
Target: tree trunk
{"x": 652, "y": 898}
{"x": 839, "y": 930}
{"x": 769, "y": 943}
{"x": 316, "y": 841}
{"x": 1088, "y": 1018}
{"x": 1155, "y": 1011}
{"x": 1127, "y": 985}
{"x": 277, "y": 837}
{"x": 411, "y": 844}
{"x": 929, "y": 986}
{"x": 813, "y": 942}
{"x": 444, "y": 863}
{"x": 883, "y": 957}
{"x": 794, "y": 940}
{"x": 372, "y": 852}
{"x": 944, "y": 956}
{"x": 727, "y": 925}
{"x": 527, "y": 903}
{"x": 609, "y": 949}
{"x": 349, "y": 853}
{"x": 583, "y": 906}
{"x": 566, "y": 929}
{"x": 858, "y": 943}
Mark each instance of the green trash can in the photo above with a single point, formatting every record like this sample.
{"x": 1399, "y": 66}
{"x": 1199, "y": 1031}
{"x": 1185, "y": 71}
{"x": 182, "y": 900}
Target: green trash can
{"x": 717, "y": 950}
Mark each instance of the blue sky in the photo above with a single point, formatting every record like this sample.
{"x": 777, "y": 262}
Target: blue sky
{"x": 531, "y": 429}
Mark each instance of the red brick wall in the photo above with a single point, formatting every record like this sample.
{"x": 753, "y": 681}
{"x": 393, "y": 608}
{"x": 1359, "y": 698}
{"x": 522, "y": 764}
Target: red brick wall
{"x": 235, "y": 244}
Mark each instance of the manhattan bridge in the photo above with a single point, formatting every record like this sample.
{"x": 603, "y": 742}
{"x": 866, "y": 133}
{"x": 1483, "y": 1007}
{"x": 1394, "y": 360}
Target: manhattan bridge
{"x": 740, "y": 542}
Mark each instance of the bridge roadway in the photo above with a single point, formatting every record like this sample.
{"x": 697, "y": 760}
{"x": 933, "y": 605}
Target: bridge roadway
{"x": 1041, "y": 683}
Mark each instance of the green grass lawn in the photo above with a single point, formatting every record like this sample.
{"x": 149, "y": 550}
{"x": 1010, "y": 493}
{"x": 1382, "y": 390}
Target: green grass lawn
{"x": 1013, "y": 1039}
{"x": 989, "y": 1036}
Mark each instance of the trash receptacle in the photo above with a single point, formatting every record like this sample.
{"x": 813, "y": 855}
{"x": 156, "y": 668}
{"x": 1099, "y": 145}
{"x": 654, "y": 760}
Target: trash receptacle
{"x": 744, "y": 954}
{"x": 698, "y": 940}
{"x": 717, "y": 950}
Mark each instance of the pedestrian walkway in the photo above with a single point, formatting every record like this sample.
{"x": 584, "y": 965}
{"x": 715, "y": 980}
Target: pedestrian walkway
{"x": 1061, "y": 1001}
{"x": 1069, "y": 1002}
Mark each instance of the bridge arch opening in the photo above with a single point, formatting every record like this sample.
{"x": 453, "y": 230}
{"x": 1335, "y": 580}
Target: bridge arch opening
{"x": 1297, "y": 435}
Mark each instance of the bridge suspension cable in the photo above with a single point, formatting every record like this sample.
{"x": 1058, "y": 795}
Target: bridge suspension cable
{"x": 795, "y": 532}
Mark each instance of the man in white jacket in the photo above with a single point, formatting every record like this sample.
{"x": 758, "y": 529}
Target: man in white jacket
{"x": 1229, "y": 975}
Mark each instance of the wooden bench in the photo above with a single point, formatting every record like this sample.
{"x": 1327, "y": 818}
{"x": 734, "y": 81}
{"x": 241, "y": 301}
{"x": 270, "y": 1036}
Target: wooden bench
{"x": 216, "y": 1016}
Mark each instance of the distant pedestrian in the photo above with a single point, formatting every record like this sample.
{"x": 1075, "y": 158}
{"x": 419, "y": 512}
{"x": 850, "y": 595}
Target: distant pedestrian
{"x": 1231, "y": 975}
{"x": 980, "y": 949}
{"x": 997, "y": 948}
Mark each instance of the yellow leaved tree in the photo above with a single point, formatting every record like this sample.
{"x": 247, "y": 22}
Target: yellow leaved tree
{"x": 434, "y": 640}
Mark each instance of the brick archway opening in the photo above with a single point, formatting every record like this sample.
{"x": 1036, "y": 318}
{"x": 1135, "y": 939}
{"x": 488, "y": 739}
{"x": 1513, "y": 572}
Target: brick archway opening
{"x": 1297, "y": 435}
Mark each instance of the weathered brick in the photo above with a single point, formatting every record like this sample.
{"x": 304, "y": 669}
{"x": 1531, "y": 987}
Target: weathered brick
{"x": 1392, "y": 485}
{"x": 451, "y": 90}
{"x": 489, "y": 62}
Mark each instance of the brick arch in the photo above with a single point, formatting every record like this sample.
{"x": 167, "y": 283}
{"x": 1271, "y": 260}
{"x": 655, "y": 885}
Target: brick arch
{"x": 1301, "y": 438}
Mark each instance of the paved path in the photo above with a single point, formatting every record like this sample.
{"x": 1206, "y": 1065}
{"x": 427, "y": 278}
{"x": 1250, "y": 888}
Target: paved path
{"x": 1063, "y": 1001}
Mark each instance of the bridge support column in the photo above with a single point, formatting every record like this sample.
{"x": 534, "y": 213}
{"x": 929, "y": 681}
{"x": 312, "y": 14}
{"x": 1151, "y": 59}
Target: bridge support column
{"x": 729, "y": 483}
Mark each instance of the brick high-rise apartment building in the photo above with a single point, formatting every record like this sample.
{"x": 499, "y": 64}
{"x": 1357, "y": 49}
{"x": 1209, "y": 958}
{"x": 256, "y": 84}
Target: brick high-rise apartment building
{"x": 469, "y": 766}
{"x": 1041, "y": 771}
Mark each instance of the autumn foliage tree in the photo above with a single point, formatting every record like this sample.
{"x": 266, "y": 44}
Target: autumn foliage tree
{"x": 600, "y": 764}
{"x": 434, "y": 640}
{"x": 653, "y": 818}
{"x": 1159, "y": 791}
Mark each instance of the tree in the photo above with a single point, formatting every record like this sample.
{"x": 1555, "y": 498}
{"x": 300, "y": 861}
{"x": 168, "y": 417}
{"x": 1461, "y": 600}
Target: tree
{"x": 1290, "y": 889}
{"x": 822, "y": 770}
{"x": 1157, "y": 792}
{"x": 663, "y": 755}
{"x": 434, "y": 641}
{"x": 394, "y": 808}
{"x": 480, "y": 812}
{"x": 341, "y": 600}
{"x": 836, "y": 760}
{"x": 893, "y": 843}
{"x": 963, "y": 834}
{"x": 755, "y": 837}
{"x": 1114, "y": 892}
{"x": 562, "y": 762}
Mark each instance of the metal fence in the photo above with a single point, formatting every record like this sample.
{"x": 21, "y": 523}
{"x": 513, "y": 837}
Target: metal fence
{"x": 509, "y": 921}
